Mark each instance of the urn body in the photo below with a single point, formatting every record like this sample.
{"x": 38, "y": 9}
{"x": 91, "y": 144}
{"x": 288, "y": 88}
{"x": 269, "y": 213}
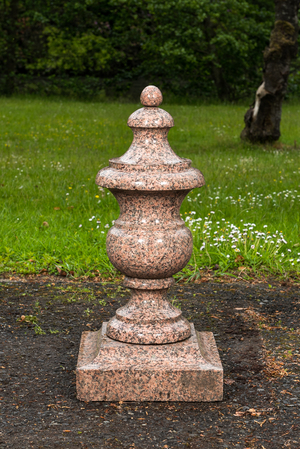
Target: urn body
{"x": 149, "y": 240}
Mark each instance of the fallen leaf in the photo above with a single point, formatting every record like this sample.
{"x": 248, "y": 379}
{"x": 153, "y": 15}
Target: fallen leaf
{"x": 254, "y": 412}
{"x": 229, "y": 381}
{"x": 286, "y": 392}
{"x": 260, "y": 423}
{"x": 60, "y": 271}
{"x": 56, "y": 208}
{"x": 239, "y": 413}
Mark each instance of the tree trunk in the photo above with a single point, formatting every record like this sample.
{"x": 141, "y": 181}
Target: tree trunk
{"x": 216, "y": 68}
{"x": 262, "y": 120}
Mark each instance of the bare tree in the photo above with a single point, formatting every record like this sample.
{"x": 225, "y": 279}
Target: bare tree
{"x": 262, "y": 120}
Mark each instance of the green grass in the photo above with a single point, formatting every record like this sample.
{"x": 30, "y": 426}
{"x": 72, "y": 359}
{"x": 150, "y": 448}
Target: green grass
{"x": 51, "y": 150}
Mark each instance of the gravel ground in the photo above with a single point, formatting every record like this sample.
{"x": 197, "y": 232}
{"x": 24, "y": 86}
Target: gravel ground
{"x": 256, "y": 327}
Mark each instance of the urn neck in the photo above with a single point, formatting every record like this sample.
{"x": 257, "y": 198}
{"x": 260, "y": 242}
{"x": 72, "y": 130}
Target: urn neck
{"x": 158, "y": 210}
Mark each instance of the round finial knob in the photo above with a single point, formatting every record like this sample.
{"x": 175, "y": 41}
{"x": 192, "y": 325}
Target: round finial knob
{"x": 151, "y": 96}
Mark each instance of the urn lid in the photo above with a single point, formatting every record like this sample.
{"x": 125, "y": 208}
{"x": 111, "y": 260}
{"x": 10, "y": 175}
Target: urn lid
{"x": 150, "y": 163}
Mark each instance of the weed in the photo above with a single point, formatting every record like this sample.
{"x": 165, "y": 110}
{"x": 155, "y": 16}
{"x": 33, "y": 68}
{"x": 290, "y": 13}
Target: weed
{"x": 38, "y": 330}
{"x": 112, "y": 293}
{"x": 37, "y": 307}
{"x": 175, "y": 302}
{"x": 91, "y": 297}
{"x": 88, "y": 312}
{"x": 31, "y": 320}
{"x": 208, "y": 307}
{"x": 72, "y": 298}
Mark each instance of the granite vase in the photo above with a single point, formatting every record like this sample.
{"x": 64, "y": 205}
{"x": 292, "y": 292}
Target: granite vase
{"x": 149, "y": 243}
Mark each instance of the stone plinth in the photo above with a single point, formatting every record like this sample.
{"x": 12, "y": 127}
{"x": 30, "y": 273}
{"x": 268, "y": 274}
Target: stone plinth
{"x": 188, "y": 370}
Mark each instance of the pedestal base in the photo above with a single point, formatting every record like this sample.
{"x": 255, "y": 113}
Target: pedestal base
{"x": 108, "y": 370}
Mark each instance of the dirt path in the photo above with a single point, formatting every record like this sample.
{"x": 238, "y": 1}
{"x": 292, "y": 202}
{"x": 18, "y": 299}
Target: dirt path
{"x": 257, "y": 332}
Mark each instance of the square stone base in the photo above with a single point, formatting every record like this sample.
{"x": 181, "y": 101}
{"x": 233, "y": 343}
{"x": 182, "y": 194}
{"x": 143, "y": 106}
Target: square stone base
{"x": 108, "y": 370}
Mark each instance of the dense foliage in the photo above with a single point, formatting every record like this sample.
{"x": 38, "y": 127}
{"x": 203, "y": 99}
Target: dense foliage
{"x": 194, "y": 47}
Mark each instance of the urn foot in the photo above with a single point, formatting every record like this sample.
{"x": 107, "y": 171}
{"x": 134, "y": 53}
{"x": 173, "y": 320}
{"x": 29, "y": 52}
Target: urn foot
{"x": 148, "y": 318}
{"x": 167, "y": 331}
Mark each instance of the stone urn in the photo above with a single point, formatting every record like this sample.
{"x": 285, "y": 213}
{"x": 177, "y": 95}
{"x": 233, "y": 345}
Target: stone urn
{"x": 149, "y": 242}
{"x": 148, "y": 350}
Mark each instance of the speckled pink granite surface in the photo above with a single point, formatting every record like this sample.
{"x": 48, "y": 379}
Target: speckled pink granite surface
{"x": 149, "y": 316}
{"x": 148, "y": 350}
{"x": 149, "y": 241}
{"x": 108, "y": 370}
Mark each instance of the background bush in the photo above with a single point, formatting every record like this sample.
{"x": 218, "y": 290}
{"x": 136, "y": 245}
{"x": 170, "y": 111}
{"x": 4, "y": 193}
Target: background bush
{"x": 189, "y": 47}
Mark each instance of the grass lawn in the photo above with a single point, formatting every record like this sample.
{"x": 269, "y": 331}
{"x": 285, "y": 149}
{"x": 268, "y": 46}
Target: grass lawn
{"x": 53, "y": 215}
